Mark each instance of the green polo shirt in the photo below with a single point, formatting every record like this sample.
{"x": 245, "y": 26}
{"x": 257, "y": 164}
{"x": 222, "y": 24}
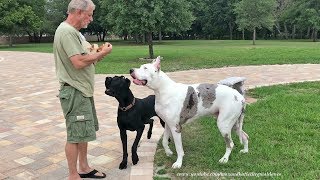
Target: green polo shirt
{"x": 67, "y": 43}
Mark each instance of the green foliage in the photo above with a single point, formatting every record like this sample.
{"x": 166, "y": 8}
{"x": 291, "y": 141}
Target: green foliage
{"x": 16, "y": 17}
{"x": 141, "y": 16}
{"x": 218, "y": 17}
{"x": 308, "y": 13}
{"x": 56, "y": 12}
{"x": 252, "y": 14}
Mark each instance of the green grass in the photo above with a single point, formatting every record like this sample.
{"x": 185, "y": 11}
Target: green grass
{"x": 197, "y": 54}
{"x": 283, "y": 126}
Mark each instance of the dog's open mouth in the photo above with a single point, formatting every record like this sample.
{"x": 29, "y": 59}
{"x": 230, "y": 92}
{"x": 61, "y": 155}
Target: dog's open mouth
{"x": 138, "y": 81}
{"x": 109, "y": 92}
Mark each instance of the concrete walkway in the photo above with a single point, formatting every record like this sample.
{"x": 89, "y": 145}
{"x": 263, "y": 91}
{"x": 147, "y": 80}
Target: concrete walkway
{"x": 32, "y": 131}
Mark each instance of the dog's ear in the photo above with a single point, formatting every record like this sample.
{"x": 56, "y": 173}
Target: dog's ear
{"x": 128, "y": 82}
{"x": 108, "y": 80}
{"x": 157, "y": 63}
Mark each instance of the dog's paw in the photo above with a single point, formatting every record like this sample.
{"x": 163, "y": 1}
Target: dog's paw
{"x": 244, "y": 151}
{"x": 223, "y": 160}
{"x": 123, "y": 165}
{"x": 169, "y": 152}
{"x": 135, "y": 159}
{"x": 176, "y": 165}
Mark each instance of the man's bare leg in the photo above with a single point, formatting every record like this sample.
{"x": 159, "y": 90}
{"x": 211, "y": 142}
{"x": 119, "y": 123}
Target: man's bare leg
{"x": 84, "y": 167}
{"x": 71, "y": 150}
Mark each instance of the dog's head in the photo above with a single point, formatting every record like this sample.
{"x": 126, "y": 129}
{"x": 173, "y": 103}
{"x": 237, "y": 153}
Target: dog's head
{"x": 117, "y": 86}
{"x": 146, "y": 74}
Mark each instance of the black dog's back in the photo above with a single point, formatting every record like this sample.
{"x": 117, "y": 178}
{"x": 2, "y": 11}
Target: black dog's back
{"x": 148, "y": 106}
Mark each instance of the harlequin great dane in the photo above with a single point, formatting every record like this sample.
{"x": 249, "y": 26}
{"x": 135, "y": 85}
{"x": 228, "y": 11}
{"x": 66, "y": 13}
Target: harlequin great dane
{"x": 178, "y": 103}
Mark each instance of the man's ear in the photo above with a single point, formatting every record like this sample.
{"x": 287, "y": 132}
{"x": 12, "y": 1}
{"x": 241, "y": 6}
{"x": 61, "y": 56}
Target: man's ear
{"x": 128, "y": 82}
{"x": 157, "y": 63}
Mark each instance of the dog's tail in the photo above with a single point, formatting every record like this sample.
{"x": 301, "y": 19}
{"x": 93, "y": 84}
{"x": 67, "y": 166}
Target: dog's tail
{"x": 235, "y": 83}
{"x": 240, "y": 121}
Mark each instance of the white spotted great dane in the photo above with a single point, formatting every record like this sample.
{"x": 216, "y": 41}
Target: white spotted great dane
{"x": 178, "y": 103}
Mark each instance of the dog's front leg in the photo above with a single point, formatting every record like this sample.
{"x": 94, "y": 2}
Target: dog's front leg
{"x": 165, "y": 140}
{"x": 178, "y": 143}
{"x": 135, "y": 157}
{"x": 123, "y": 135}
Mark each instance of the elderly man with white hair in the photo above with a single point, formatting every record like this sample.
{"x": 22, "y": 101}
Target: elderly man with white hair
{"x": 75, "y": 69}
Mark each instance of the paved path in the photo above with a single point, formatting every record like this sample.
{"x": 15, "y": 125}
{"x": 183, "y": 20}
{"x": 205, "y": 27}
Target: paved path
{"x": 32, "y": 131}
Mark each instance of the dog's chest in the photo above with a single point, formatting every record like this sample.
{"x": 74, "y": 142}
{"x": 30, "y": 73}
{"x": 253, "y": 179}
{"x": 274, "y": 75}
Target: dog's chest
{"x": 129, "y": 121}
{"x": 169, "y": 105}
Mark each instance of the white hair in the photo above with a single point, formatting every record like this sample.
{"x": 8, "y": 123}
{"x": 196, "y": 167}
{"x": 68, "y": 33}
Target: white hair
{"x": 80, "y": 5}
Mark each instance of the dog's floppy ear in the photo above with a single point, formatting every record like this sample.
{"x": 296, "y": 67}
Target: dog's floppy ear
{"x": 157, "y": 63}
{"x": 108, "y": 80}
{"x": 128, "y": 82}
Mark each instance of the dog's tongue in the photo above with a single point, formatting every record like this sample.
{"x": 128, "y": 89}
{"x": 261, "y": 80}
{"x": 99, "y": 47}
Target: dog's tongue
{"x": 138, "y": 82}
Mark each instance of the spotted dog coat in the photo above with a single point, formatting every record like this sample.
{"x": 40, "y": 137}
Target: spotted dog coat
{"x": 178, "y": 103}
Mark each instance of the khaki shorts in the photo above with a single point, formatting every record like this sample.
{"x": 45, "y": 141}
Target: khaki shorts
{"x": 80, "y": 115}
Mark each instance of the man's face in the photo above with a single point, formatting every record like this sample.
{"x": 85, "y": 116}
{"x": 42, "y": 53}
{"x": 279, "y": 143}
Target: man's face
{"x": 86, "y": 17}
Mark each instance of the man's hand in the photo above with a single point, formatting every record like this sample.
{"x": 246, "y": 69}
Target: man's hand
{"x": 106, "y": 48}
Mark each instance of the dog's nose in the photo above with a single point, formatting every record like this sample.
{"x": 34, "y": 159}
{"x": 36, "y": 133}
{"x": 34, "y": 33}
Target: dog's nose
{"x": 131, "y": 71}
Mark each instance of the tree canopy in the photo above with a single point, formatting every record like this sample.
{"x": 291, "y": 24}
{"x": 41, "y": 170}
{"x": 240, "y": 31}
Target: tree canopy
{"x": 253, "y": 14}
{"x": 141, "y": 17}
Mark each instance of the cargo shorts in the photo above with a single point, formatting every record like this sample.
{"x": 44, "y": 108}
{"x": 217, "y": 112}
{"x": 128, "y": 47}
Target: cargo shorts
{"x": 80, "y": 115}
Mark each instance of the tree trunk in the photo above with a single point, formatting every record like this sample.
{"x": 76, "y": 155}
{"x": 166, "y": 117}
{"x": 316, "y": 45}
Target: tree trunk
{"x": 29, "y": 36}
{"x": 285, "y": 31}
{"x": 160, "y": 35}
{"x": 136, "y": 37}
{"x": 104, "y": 34}
{"x": 230, "y": 30}
{"x": 10, "y": 40}
{"x": 315, "y": 34}
{"x": 278, "y": 28}
{"x": 36, "y": 37}
{"x": 243, "y": 34}
{"x": 294, "y": 32}
{"x": 254, "y": 36}
{"x": 308, "y": 33}
{"x": 143, "y": 38}
{"x": 99, "y": 36}
{"x": 151, "y": 56}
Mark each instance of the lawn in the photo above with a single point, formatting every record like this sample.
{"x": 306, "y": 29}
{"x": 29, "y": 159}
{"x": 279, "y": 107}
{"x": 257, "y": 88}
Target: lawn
{"x": 283, "y": 126}
{"x": 197, "y": 54}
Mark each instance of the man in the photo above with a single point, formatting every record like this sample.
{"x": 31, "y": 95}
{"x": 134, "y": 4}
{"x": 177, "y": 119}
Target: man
{"x": 75, "y": 72}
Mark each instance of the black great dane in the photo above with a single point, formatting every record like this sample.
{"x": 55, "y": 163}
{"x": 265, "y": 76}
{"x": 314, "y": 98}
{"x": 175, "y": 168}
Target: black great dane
{"x": 133, "y": 114}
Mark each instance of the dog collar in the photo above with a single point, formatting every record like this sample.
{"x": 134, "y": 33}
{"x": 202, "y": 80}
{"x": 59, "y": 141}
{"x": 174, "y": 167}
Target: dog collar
{"x": 129, "y": 106}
